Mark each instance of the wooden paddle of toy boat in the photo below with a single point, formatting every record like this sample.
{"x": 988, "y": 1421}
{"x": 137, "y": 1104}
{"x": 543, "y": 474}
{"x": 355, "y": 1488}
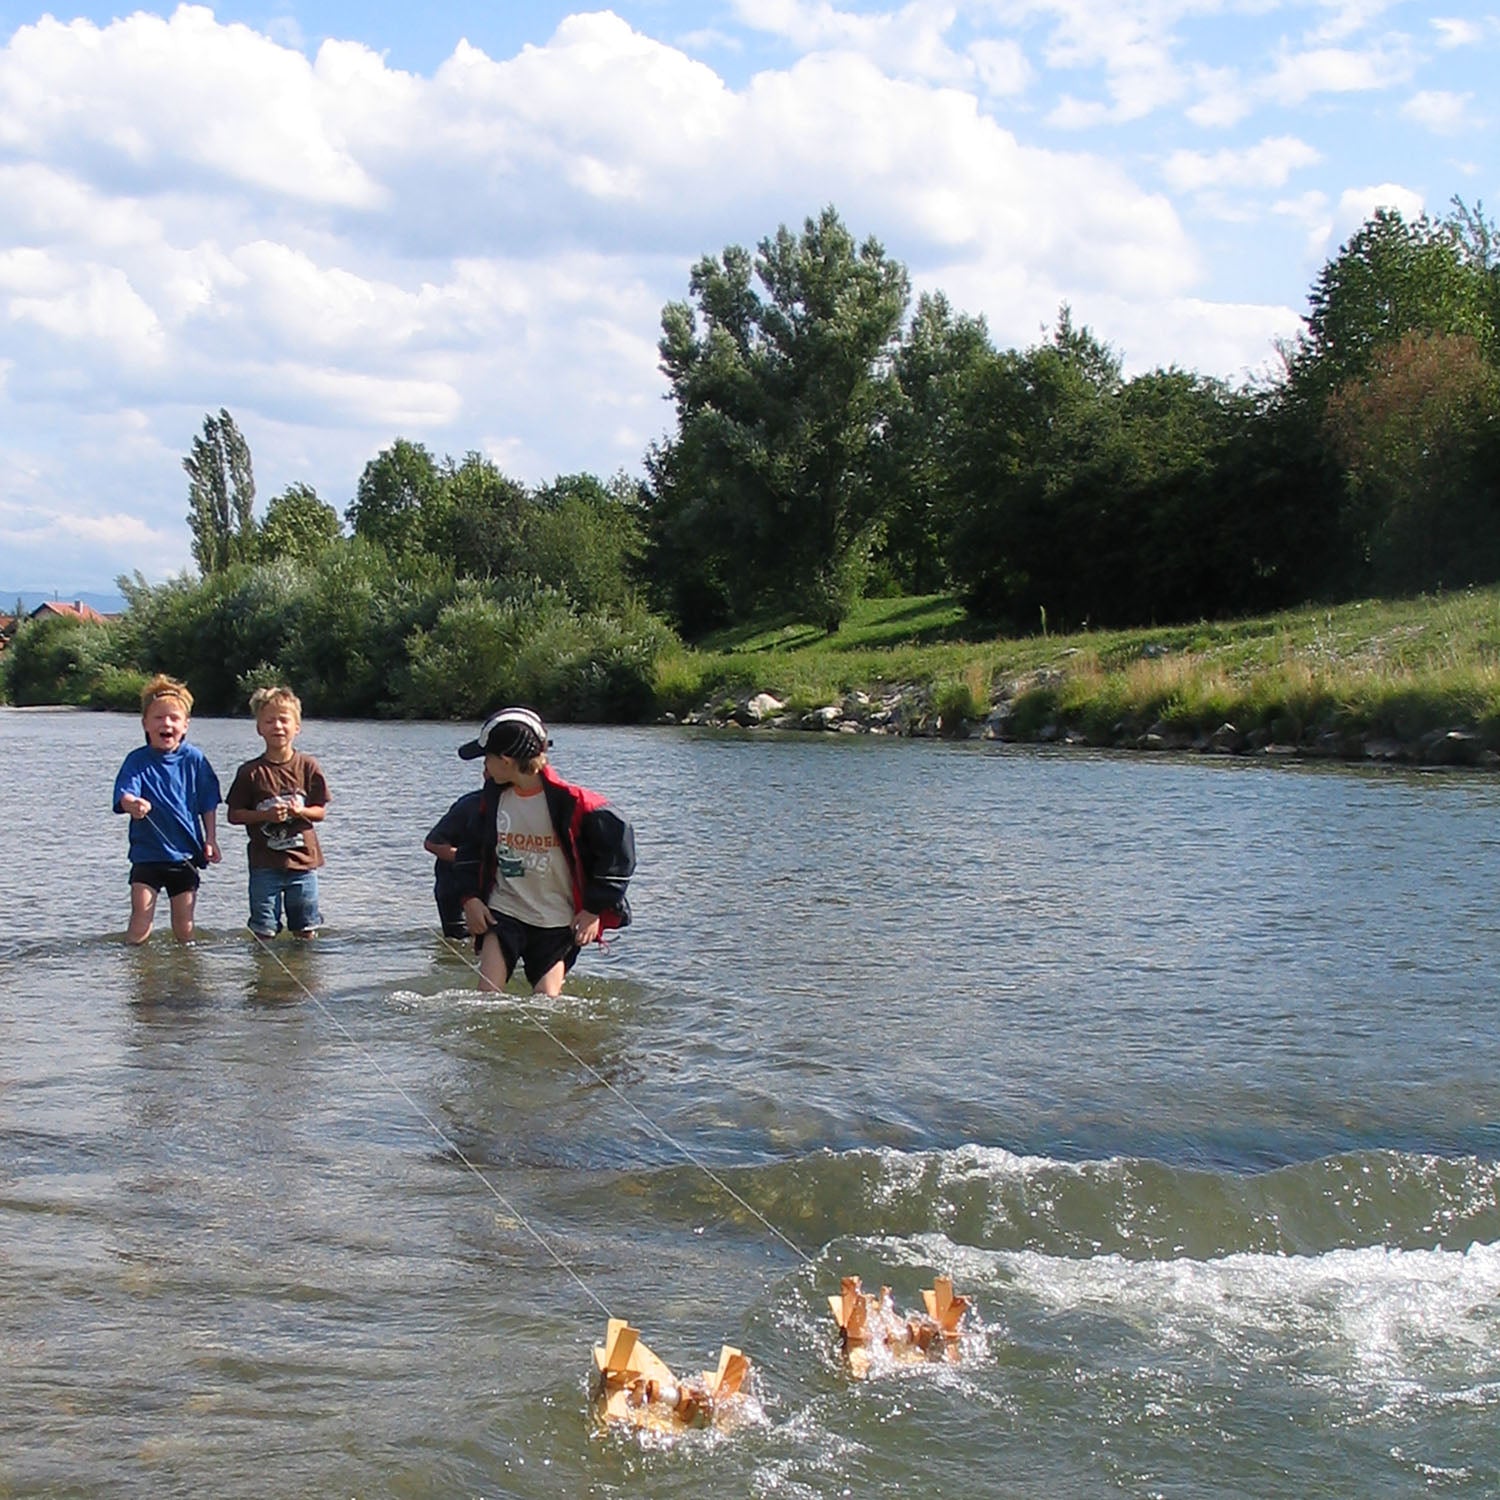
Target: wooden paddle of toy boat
{"x": 870, "y": 1327}
{"x": 637, "y": 1387}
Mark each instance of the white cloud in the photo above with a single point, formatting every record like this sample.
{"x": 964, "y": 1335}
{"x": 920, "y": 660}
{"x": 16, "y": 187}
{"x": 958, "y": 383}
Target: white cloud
{"x": 1357, "y": 205}
{"x": 1223, "y": 99}
{"x": 1001, "y": 66}
{"x": 1346, "y": 18}
{"x": 1299, "y": 76}
{"x": 117, "y": 532}
{"x": 1438, "y": 110}
{"x": 1238, "y": 340}
{"x": 98, "y": 307}
{"x": 1267, "y": 164}
{"x": 1135, "y": 49}
{"x": 198, "y": 215}
{"x": 909, "y": 42}
{"x": 1453, "y": 31}
{"x": 146, "y": 94}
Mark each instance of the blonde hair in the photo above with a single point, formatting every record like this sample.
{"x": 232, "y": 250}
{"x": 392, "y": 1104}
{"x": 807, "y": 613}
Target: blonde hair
{"x": 162, "y": 686}
{"x": 265, "y": 697}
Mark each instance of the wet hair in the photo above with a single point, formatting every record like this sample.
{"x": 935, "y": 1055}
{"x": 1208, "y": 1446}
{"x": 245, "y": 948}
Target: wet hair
{"x": 162, "y": 686}
{"x": 268, "y": 697}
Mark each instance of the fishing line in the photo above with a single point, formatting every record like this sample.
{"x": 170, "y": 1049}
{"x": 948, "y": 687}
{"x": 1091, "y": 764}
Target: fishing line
{"x": 440, "y": 1133}
{"x": 530, "y": 1015}
{"x": 396, "y": 1086}
{"x": 651, "y": 1125}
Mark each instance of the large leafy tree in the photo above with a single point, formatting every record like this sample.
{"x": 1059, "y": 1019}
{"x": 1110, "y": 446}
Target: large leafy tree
{"x": 584, "y": 536}
{"x": 1040, "y": 441}
{"x": 1073, "y": 496}
{"x": 780, "y": 367}
{"x": 1417, "y": 435}
{"x": 398, "y": 502}
{"x": 940, "y": 352}
{"x": 297, "y": 526}
{"x": 1391, "y": 278}
{"x": 1391, "y": 370}
{"x": 221, "y": 495}
{"x": 480, "y": 519}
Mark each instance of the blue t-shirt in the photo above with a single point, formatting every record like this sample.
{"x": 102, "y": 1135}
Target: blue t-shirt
{"x": 181, "y": 786}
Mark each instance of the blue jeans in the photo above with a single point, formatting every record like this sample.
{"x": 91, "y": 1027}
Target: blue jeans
{"x": 298, "y": 889}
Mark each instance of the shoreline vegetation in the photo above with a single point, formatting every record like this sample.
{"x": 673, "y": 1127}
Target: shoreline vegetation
{"x": 1412, "y": 681}
{"x": 1405, "y": 681}
{"x": 927, "y": 509}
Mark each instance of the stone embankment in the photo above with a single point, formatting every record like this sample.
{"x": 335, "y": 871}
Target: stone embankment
{"x": 908, "y": 710}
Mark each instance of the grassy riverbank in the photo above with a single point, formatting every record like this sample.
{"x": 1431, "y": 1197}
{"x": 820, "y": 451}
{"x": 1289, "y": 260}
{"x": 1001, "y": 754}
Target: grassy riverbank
{"x": 1337, "y": 678}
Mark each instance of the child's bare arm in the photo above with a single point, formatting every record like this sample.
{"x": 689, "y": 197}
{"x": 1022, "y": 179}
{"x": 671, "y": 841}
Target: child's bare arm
{"x": 477, "y": 916}
{"x": 137, "y": 807}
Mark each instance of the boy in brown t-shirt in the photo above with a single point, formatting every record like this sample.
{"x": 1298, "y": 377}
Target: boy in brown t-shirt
{"x": 278, "y": 797}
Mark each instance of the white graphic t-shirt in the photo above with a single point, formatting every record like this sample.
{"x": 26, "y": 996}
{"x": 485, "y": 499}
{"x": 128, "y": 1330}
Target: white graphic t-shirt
{"x": 532, "y": 879}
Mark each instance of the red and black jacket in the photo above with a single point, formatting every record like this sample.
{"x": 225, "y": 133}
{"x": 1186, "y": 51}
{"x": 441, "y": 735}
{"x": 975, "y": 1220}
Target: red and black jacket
{"x": 598, "y": 842}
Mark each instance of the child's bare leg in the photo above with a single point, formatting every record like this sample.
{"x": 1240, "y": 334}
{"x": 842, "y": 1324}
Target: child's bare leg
{"x": 183, "y": 906}
{"x": 493, "y": 972}
{"x": 142, "y": 913}
{"x": 551, "y": 983}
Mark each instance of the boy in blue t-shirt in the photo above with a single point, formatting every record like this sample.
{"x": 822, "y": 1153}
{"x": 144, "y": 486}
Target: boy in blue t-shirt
{"x": 172, "y": 796}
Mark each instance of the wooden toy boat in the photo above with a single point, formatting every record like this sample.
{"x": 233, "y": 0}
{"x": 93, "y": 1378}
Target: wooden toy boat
{"x": 871, "y": 1330}
{"x": 635, "y": 1386}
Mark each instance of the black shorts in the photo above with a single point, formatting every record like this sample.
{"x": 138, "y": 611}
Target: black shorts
{"x": 537, "y": 948}
{"x": 176, "y": 879}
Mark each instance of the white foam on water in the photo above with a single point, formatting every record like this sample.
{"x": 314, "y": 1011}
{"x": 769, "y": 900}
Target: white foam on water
{"x": 903, "y": 1170}
{"x": 1371, "y": 1317}
{"x": 471, "y": 998}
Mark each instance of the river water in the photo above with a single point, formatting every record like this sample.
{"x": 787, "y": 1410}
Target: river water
{"x": 1187, "y": 1072}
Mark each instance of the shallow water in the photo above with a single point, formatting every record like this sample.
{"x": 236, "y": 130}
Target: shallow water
{"x": 1185, "y": 1071}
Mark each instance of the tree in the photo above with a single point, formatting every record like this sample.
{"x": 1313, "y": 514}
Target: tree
{"x": 1392, "y": 278}
{"x": 770, "y": 490}
{"x": 59, "y": 659}
{"x": 1416, "y": 434}
{"x": 297, "y": 526}
{"x": 221, "y": 495}
{"x": 585, "y": 537}
{"x": 482, "y": 516}
{"x": 940, "y": 351}
{"x": 398, "y": 500}
{"x": 1040, "y": 448}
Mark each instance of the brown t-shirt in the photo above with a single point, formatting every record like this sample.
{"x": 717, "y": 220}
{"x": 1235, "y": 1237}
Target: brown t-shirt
{"x": 292, "y": 845}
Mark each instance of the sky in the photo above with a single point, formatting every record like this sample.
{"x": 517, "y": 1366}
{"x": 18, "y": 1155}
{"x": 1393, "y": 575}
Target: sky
{"x": 459, "y": 223}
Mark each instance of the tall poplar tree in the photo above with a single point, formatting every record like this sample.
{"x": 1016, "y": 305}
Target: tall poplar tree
{"x": 221, "y": 495}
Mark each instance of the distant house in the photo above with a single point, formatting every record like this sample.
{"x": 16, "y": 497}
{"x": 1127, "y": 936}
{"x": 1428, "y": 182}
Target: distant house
{"x": 77, "y": 610}
{"x": 8, "y": 627}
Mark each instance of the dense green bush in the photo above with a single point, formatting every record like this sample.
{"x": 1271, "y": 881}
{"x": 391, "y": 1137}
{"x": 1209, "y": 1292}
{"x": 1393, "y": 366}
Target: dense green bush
{"x": 357, "y": 633}
{"x": 57, "y": 659}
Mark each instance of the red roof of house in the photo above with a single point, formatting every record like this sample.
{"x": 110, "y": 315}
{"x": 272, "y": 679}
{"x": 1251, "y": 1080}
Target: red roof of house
{"x": 76, "y": 610}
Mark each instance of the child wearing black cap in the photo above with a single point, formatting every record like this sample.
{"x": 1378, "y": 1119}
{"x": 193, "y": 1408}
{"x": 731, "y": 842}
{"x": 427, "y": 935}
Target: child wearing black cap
{"x": 554, "y": 859}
